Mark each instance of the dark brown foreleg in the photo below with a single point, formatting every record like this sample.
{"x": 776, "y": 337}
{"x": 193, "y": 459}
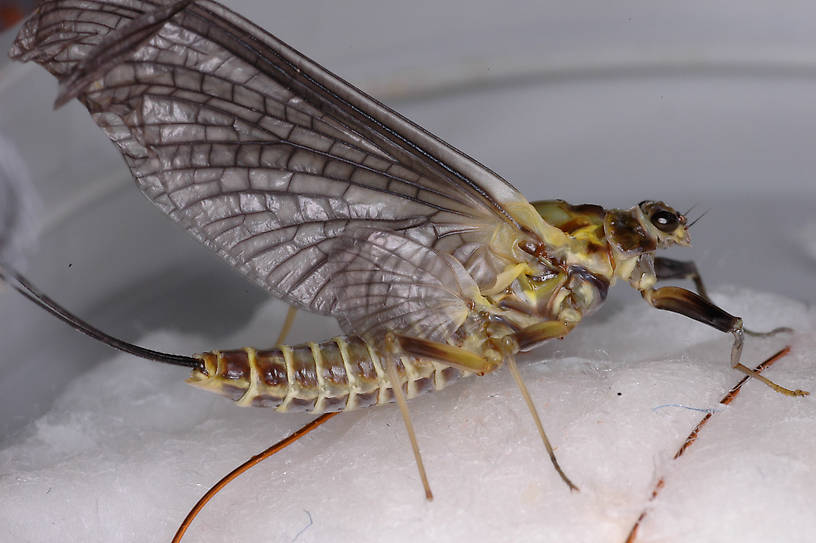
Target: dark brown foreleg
{"x": 668, "y": 268}
{"x": 685, "y": 302}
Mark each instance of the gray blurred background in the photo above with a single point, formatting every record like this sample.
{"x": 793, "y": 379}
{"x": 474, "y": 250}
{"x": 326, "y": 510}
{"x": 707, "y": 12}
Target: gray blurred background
{"x": 706, "y": 103}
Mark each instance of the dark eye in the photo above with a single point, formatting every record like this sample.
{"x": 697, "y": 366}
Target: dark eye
{"x": 665, "y": 221}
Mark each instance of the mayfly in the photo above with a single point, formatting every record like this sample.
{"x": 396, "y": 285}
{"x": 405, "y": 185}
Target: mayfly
{"x": 435, "y": 266}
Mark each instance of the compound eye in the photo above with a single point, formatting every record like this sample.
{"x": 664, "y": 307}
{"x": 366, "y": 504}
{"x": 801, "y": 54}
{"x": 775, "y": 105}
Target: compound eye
{"x": 665, "y": 221}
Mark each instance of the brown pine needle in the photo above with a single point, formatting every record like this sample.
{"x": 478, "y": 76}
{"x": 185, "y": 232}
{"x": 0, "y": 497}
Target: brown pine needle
{"x": 692, "y": 437}
{"x": 282, "y": 444}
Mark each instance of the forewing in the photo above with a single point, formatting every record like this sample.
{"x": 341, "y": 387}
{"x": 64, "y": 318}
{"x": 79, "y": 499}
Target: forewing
{"x": 262, "y": 154}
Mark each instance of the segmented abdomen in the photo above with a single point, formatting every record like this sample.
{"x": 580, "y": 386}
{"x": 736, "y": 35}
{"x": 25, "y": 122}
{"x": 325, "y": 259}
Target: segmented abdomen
{"x": 336, "y": 375}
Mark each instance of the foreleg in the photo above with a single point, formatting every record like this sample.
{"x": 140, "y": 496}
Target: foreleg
{"x": 685, "y": 302}
{"x": 668, "y": 268}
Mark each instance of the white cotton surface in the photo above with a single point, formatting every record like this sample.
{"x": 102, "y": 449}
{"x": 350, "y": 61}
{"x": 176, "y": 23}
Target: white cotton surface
{"x": 128, "y": 448}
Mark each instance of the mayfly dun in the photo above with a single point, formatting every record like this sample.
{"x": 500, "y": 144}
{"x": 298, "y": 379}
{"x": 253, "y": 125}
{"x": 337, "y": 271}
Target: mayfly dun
{"x": 435, "y": 267}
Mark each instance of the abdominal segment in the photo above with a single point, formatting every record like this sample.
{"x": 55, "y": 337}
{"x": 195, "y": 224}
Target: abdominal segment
{"x": 336, "y": 375}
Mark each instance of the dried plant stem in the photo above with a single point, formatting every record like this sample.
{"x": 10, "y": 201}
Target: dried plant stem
{"x": 692, "y": 437}
{"x": 282, "y": 444}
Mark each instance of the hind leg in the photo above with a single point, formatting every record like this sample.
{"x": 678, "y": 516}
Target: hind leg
{"x": 394, "y": 347}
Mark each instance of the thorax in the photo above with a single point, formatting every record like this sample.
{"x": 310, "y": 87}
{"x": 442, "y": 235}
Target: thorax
{"x": 566, "y": 277}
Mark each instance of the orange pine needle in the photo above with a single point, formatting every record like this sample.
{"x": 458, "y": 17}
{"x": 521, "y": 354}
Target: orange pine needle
{"x": 282, "y": 444}
{"x": 692, "y": 437}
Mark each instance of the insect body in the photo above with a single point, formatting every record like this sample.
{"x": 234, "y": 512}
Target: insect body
{"x": 434, "y": 266}
{"x": 340, "y": 374}
{"x": 542, "y": 297}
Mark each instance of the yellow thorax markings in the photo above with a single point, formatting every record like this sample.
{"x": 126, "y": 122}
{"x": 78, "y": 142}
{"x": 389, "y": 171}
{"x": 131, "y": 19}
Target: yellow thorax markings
{"x": 585, "y": 245}
{"x": 506, "y": 278}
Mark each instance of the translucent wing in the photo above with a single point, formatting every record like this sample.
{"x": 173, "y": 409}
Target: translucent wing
{"x": 390, "y": 282}
{"x": 259, "y": 152}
